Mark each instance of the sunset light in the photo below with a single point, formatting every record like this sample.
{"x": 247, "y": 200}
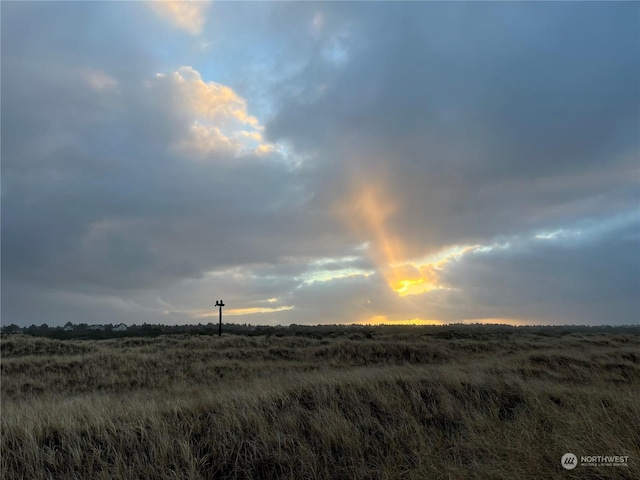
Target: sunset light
{"x": 319, "y": 239}
{"x": 369, "y": 214}
{"x": 477, "y": 160}
{"x": 384, "y": 320}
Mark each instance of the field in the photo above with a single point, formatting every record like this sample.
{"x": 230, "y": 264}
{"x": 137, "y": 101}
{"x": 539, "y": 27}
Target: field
{"x": 359, "y": 403}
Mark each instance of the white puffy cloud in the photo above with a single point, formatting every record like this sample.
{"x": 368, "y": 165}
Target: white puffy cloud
{"x": 217, "y": 117}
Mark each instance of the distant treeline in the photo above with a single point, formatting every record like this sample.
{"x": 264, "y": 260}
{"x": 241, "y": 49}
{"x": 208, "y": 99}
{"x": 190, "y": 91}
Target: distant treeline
{"x": 457, "y": 330}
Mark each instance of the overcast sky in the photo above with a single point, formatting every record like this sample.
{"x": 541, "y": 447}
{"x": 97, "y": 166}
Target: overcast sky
{"x": 321, "y": 162}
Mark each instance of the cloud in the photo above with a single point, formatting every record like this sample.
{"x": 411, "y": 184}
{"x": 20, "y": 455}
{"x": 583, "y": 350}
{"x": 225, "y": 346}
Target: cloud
{"x": 332, "y": 162}
{"x": 186, "y": 15}
{"x": 233, "y": 312}
{"x": 99, "y": 81}
{"x": 98, "y": 203}
{"x": 470, "y": 122}
{"x": 586, "y": 276}
{"x": 217, "y": 116}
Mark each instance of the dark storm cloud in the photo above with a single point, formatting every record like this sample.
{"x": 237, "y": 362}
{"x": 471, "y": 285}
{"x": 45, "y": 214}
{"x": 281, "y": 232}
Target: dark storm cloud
{"x": 587, "y": 275}
{"x": 475, "y": 112}
{"x": 487, "y": 121}
{"x": 126, "y": 219}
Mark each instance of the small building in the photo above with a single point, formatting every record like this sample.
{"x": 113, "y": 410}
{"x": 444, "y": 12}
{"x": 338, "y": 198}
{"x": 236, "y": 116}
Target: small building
{"x": 96, "y": 327}
{"x": 68, "y": 328}
{"x": 121, "y": 327}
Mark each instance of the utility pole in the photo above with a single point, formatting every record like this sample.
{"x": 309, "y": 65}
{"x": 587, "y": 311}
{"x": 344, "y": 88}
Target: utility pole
{"x": 220, "y": 304}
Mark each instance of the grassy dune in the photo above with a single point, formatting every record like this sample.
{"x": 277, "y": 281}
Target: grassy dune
{"x": 382, "y": 406}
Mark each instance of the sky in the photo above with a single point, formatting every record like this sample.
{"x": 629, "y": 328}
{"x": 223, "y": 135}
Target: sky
{"x": 321, "y": 162}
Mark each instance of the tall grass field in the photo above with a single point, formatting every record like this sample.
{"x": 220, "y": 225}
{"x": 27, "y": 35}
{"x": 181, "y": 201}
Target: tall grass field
{"x": 360, "y": 403}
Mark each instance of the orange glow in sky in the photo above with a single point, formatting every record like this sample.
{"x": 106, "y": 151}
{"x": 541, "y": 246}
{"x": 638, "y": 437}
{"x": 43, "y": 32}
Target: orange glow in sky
{"x": 383, "y": 320}
{"x": 514, "y": 322}
{"x": 368, "y": 212}
{"x": 238, "y": 311}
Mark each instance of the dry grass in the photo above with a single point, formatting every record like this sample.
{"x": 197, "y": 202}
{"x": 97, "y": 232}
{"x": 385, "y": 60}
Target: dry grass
{"x": 391, "y": 406}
